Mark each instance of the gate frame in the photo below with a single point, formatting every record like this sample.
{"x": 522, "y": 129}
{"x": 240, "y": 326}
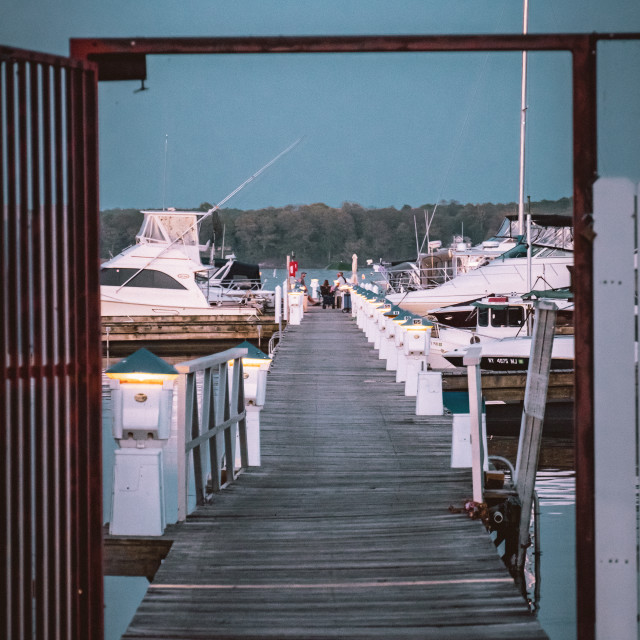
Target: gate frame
{"x": 125, "y": 59}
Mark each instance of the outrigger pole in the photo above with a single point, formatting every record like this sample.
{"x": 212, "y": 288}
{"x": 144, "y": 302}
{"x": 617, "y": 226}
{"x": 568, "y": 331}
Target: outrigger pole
{"x": 213, "y": 209}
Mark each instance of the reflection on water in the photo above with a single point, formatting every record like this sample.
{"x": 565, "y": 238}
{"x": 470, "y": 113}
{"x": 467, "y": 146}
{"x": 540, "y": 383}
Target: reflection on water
{"x": 554, "y": 597}
{"x": 122, "y": 596}
{"x": 556, "y": 608}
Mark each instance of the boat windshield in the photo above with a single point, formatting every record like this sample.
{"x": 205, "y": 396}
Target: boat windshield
{"x": 147, "y": 278}
{"x": 520, "y": 251}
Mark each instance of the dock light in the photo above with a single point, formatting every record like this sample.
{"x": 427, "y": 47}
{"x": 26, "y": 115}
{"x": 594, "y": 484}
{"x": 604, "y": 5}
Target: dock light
{"x": 141, "y": 397}
{"x": 142, "y": 367}
{"x": 255, "y": 366}
{"x": 417, "y": 333}
{"x": 141, "y": 403}
{"x": 402, "y": 317}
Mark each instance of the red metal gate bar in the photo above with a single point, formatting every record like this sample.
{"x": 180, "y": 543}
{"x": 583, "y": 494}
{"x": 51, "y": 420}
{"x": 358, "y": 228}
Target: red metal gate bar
{"x": 584, "y": 175}
{"x": 99, "y": 49}
{"x": 51, "y": 537}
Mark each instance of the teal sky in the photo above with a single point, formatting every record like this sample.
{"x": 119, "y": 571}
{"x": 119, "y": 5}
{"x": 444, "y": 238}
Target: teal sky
{"x": 379, "y": 129}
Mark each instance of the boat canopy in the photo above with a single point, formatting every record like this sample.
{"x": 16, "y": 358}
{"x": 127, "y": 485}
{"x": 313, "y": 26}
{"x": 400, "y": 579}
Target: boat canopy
{"x": 170, "y": 226}
{"x": 499, "y": 306}
{"x": 546, "y": 229}
{"x": 555, "y": 294}
{"x": 238, "y": 271}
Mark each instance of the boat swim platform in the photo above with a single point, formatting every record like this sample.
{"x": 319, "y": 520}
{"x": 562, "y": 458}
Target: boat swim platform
{"x": 345, "y": 531}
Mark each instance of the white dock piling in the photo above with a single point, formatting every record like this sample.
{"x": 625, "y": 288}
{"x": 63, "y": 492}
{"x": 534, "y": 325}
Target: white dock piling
{"x": 429, "y": 394}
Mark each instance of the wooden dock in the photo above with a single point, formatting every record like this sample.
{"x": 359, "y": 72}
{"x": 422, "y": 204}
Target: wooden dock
{"x": 509, "y": 387}
{"x": 185, "y": 336}
{"x": 345, "y": 531}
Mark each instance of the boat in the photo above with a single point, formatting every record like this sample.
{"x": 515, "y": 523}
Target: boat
{"x": 510, "y": 273}
{"x": 163, "y": 274}
{"x": 494, "y": 318}
{"x": 440, "y": 264}
{"x": 512, "y": 354}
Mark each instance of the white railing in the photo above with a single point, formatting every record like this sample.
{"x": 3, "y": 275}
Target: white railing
{"x": 409, "y": 280}
{"x": 207, "y": 428}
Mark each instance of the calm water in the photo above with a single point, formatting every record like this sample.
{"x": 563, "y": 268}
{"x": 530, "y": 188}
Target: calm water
{"x": 556, "y": 491}
{"x": 557, "y": 605}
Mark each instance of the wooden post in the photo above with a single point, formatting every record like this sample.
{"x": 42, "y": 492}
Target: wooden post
{"x": 535, "y": 399}
{"x": 472, "y": 362}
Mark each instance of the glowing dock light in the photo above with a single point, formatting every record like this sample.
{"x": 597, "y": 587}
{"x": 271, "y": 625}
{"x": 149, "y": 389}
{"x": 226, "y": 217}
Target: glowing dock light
{"x": 141, "y": 401}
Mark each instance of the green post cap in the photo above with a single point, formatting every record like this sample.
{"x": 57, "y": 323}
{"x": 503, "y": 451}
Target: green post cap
{"x": 253, "y": 352}
{"x": 143, "y": 361}
{"x": 394, "y": 311}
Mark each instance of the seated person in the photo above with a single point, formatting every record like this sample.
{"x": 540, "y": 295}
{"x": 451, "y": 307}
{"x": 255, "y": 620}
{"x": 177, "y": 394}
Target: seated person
{"x": 328, "y": 295}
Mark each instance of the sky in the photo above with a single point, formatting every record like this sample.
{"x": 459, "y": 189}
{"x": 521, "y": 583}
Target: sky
{"x": 377, "y": 129}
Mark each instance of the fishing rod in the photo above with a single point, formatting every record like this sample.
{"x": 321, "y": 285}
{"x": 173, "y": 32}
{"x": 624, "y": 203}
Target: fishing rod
{"x": 213, "y": 209}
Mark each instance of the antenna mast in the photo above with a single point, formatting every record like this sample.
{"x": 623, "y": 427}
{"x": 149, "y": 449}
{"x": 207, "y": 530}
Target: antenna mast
{"x": 164, "y": 174}
{"x": 523, "y": 120}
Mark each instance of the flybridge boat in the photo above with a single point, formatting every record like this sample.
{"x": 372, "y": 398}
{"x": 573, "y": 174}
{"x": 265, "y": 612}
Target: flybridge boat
{"x": 510, "y": 273}
{"x": 495, "y": 318}
{"x": 163, "y": 274}
{"x": 440, "y": 264}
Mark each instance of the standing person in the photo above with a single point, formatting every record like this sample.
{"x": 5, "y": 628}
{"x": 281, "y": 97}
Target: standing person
{"x": 326, "y": 291}
{"x": 303, "y": 286}
{"x": 340, "y": 281}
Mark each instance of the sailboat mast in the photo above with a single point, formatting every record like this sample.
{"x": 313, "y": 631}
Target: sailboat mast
{"x": 523, "y": 120}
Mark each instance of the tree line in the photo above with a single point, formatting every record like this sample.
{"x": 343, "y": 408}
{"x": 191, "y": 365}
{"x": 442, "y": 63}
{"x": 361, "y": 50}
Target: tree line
{"x": 319, "y": 234}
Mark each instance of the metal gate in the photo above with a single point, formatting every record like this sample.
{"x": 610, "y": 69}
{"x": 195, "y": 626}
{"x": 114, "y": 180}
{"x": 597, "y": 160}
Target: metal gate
{"x": 50, "y": 403}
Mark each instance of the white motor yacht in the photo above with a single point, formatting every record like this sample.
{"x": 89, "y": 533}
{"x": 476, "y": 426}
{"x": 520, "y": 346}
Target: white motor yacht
{"x": 163, "y": 274}
{"x": 440, "y": 264}
{"x": 511, "y": 273}
{"x": 495, "y": 318}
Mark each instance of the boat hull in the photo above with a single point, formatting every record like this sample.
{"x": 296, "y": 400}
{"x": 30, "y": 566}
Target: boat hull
{"x": 503, "y": 277}
{"x": 134, "y": 309}
{"x": 510, "y": 363}
{"x": 512, "y": 354}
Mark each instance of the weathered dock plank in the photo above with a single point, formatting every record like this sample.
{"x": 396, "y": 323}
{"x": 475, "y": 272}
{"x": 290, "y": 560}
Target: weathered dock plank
{"x": 509, "y": 387}
{"x": 345, "y": 530}
{"x": 185, "y": 335}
